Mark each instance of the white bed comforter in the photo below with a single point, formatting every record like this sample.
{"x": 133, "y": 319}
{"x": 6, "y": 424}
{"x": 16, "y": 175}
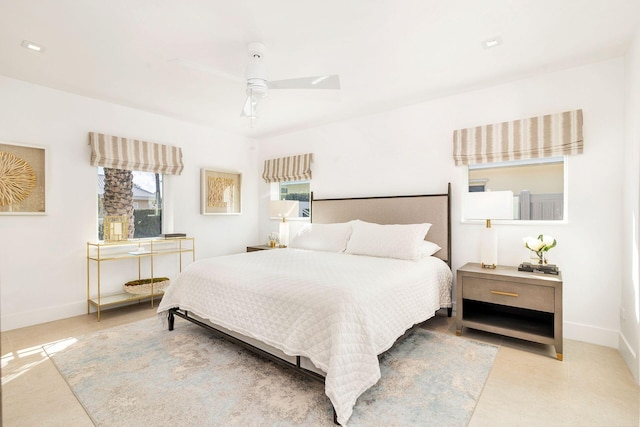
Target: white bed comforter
{"x": 338, "y": 310}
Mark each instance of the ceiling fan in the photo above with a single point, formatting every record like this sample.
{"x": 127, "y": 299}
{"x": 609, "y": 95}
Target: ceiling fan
{"x": 258, "y": 85}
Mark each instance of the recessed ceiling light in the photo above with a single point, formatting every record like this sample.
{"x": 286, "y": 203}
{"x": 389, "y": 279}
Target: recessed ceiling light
{"x": 492, "y": 42}
{"x": 32, "y": 46}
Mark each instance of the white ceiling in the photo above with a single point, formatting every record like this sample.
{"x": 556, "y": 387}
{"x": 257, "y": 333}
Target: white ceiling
{"x": 388, "y": 53}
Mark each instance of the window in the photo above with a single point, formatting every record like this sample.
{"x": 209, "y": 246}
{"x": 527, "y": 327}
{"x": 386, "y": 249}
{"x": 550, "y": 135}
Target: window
{"x": 537, "y": 185}
{"x": 294, "y": 190}
{"x": 137, "y": 194}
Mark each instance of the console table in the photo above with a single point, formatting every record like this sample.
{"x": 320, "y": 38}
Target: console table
{"x": 100, "y": 252}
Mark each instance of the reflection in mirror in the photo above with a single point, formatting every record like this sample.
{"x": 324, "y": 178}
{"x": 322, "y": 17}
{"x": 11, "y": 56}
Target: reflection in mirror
{"x": 537, "y": 185}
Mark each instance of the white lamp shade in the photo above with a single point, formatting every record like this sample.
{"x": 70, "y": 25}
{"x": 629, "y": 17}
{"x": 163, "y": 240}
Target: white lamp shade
{"x": 488, "y": 205}
{"x": 283, "y": 208}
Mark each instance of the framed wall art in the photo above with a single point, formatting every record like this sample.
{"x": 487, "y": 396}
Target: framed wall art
{"x": 221, "y": 192}
{"x": 22, "y": 179}
{"x": 115, "y": 228}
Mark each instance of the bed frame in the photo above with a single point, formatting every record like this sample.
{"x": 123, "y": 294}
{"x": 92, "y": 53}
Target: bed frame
{"x": 431, "y": 208}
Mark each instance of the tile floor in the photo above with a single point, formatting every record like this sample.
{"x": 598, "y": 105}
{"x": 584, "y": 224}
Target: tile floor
{"x": 527, "y": 385}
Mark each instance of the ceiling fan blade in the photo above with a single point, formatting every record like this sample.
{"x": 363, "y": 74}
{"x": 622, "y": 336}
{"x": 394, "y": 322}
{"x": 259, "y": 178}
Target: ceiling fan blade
{"x": 206, "y": 69}
{"x": 328, "y": 81}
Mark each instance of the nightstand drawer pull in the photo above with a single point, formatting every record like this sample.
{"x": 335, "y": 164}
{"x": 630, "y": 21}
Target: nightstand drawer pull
{"x": 508, "y": 294}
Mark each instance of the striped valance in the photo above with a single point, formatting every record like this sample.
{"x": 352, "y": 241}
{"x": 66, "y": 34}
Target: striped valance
{"x": 294, "y": 168}
{"x": 544, "y": 136}
{"x": 132, "y": 154}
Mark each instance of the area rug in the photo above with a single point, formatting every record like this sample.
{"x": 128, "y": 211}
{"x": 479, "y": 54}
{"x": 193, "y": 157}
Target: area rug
{"x": 140, "y": 374}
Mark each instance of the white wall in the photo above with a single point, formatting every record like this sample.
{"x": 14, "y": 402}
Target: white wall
{"x": 403, "y": 151}
{"x": 630, "y": 296}
{"x": 409, "y": 151}
{"x": 43, "y": 258}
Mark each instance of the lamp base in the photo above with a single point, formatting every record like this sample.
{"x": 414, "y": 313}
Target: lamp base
{"x": 283, "y": 234}
{"x": 489, "y": 248}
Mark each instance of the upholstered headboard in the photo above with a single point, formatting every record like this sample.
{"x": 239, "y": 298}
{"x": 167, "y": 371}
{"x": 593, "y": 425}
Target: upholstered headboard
{"x": 431, "y": 208}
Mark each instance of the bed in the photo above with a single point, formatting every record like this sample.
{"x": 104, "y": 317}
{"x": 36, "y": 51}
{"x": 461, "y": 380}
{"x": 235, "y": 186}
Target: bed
{"x": 349, "y": 286}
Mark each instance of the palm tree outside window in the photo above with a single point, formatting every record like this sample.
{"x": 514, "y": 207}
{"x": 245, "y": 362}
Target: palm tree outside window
{"x": 138, "y": 195}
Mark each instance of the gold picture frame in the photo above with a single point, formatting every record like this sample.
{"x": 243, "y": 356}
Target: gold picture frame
{"x": 115, "y": 228}
{"x": 221, "y": 192}
{"x": 22, "y": 179}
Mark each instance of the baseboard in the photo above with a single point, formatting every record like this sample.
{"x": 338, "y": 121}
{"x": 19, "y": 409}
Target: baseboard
{"x": 48, "y": 314}
{"x": 630, "y": 357}
{"x": 591, "y": 334}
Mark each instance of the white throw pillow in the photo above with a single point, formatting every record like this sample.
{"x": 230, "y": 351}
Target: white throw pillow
{"x": 322, "y": 237}
{"x": 391, "y": 241}
{"x": 428, "y": 248}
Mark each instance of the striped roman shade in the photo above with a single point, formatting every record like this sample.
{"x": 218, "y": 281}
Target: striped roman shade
{"x": 294, "y": 168}
{"x": 544, "y": 136}
{"x": 132, "y": 154}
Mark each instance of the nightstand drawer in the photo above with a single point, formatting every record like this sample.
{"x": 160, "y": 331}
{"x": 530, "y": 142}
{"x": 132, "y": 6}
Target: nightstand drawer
{"x": 511, "y": 294}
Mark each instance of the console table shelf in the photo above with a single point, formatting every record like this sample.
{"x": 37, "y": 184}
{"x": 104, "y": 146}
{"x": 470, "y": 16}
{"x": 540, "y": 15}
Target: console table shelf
{"x": 100, "y": 252}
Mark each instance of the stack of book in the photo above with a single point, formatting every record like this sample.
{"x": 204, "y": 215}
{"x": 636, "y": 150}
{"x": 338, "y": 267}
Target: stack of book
{"x": 539, "y": 268}
{"x": 172, "y": 235}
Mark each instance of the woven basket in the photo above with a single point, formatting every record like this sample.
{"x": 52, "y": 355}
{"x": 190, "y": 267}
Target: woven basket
{"x": 143, "y": 286}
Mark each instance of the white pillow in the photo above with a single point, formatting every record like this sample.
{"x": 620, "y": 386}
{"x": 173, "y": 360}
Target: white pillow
{"x": 428, "y": 248}
{"x": 391, "y": 241}
{"x": 323, "y": 237}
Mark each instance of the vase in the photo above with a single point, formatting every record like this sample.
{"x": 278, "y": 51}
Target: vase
{"x": 539, "y": 258}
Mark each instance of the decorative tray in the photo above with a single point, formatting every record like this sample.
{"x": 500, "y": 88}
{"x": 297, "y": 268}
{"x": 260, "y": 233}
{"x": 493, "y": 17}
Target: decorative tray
{"x": 143, "y": 286}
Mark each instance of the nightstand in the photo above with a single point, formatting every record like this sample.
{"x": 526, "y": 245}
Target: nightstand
{"x": 255, "y": 248}
{"x": 509, "y": 302}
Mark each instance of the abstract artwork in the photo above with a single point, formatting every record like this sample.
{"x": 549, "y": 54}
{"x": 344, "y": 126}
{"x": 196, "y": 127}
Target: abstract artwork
{"x": 22, "y": 179}
{"x": 221, "y": 192}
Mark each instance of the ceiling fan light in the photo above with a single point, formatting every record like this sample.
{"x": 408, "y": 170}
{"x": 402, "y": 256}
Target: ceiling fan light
{"x": 250, "y": 107}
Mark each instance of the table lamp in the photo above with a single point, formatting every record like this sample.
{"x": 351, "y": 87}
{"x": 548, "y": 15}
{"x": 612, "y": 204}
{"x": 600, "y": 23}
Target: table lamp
{"x": 488, "y": 205}
{"x": 284, "y": 209}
